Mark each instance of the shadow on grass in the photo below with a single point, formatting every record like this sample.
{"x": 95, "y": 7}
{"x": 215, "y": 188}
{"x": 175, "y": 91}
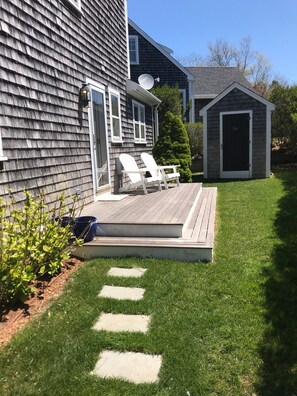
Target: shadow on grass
{"x": 279, "y": 348}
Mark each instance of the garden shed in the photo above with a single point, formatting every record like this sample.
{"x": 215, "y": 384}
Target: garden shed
{"x": 237, "y": 134}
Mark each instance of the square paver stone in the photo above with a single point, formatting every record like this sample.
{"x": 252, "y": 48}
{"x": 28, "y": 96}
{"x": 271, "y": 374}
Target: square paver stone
{"x": 120, "y": 322}
{"x": 130, "y": 366}
{"x": 122, "y": 293}
{"x": 127, "y": 272}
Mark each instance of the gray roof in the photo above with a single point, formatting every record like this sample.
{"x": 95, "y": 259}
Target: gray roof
{"x": 211, "y": 81}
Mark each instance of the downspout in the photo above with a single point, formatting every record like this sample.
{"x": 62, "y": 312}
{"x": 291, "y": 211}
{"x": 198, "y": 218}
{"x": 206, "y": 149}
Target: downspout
{"x": 156, "y": 122}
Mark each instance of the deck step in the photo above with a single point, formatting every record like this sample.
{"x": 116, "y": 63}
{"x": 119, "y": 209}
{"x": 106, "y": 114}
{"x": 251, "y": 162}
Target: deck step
{"x": 160, "y": 214}
{"x": 141, "y": 230}
{"x": 195, "y": 243}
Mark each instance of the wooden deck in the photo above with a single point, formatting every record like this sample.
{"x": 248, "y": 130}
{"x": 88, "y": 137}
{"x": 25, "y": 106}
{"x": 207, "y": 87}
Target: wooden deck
{"x": 177, "y": 223}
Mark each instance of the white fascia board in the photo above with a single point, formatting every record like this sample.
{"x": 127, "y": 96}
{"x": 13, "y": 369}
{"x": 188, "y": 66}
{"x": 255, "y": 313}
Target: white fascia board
{"x": 206, "y": 96}
{"x": 141, "y": 94}
{"x": 270, "y": 106}
{"x": 161, "y": 49}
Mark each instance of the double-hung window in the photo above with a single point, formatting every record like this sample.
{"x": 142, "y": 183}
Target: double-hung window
{"x": 139, "y": 122}
{"x": 133, "y": 50}
{"x": 115, "y": 115}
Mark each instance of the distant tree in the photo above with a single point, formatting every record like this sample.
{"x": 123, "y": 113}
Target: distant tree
{"x": 284, "y": 120}
{"x": 255, "y": 66}
{"x": 221, "y": 53}
{"x": 172, "y": 146}
{"x": 192, "y": 60}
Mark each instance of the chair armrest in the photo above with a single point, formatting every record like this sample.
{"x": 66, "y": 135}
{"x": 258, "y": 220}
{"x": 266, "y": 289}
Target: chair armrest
{"x": 168, "y": 166}
{"x": 142, "y": 170}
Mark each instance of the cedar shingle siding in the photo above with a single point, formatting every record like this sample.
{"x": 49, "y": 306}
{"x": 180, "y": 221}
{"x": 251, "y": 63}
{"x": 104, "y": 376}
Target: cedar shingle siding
{"x": 237, "y": 100}
{"x": 48, "y": 53}
{"x": 153, "y": 62}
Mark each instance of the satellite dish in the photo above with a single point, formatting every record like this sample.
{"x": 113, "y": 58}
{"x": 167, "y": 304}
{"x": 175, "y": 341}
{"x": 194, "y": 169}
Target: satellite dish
{"x": 146, "y": 81}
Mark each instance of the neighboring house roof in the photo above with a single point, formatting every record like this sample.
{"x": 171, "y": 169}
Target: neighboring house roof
{"x": 163, "y": 49}
{"x": 270, "y": 106}
{"x": 211, "y": 81}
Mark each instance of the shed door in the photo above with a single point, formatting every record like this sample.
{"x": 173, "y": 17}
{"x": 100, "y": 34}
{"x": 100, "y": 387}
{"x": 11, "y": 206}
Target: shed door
{"x": 236, "y": 145}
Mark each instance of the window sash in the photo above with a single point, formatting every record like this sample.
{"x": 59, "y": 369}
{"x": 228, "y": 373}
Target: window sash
{"x": 133, "y": 50}
{"x": 115, "y": 111}
{"x": 139, "y": 122}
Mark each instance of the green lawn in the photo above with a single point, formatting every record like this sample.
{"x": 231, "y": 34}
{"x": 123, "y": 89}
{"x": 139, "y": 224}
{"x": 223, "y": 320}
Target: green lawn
{"x": 226, "y": 328}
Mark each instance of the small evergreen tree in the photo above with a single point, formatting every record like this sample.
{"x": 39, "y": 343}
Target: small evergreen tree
{"x": 171, "y": 101}
{"x": 172, "y": 146}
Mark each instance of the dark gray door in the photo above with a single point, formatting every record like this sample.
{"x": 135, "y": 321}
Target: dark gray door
{"x": 236, "y": 143}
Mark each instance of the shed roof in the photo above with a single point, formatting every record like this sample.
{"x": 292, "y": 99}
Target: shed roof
{"x": 270, "y": 106}
{"x": 211, "y": 81}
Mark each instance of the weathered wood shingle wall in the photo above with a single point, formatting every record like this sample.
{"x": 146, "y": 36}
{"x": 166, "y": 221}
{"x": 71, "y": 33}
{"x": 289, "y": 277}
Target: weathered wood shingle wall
{"x": 47, "y": 53}
{"x": 154, "y": 62}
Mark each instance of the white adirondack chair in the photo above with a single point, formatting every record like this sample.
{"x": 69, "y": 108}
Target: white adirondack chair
{"x": 137, "y": 175}
{"x": 157, "y": 171}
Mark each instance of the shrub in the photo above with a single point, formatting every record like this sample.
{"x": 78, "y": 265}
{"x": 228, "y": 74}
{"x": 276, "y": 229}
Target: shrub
{"x": 171, "y": 101}
{"x": 172, "y": 146}
{"x": 284, "y": 120}
{"x": 195, "y": 134}
{"x": 32, "y": 243}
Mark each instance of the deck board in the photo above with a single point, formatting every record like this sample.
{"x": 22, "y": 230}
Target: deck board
{"x": 165, "y": 207}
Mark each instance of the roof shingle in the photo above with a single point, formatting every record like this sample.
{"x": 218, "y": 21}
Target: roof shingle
{"x": 211, "y": 81}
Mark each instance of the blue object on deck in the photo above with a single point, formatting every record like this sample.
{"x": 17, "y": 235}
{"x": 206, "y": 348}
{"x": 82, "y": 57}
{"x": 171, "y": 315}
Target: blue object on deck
{"x": 85, "y": 228}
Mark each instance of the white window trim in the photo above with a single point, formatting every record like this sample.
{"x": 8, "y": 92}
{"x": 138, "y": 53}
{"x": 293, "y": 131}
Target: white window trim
{"x": 2, "y": 158}
{"x": 76, "y": 4}
{"x": 136, "y": 50}
{"x": 139, "y": 140}
{"x": 115, "y": 139}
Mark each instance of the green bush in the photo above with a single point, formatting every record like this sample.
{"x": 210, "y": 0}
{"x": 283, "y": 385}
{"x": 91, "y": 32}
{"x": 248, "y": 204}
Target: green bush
{"x": 32, "y": 243}
{"x": 171, "y": 101}
{"x": 284, "y": 120}
{"x": 195, "y": 134}
{"x": 172, "y": 146}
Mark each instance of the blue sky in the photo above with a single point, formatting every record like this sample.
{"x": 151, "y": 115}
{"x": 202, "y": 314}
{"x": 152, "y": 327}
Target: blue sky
{"x": 188, "y": 26}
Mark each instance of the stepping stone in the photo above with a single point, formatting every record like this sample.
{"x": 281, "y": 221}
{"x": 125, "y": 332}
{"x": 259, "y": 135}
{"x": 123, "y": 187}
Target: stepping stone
{"x": 127, "y": 272}
{"x": 130, "y": 366}
{"x": 122, "y": 293}
{"x": 119, "y": 322}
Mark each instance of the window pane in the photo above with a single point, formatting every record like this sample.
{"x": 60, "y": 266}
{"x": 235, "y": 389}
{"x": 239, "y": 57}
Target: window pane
{"x": 116, "y": 127}
{"x": 141, "y": 114}
{"x": 137, "y": 131}
{"x": 142, "y": 132}
{"x": 133, "y": 49}
{"x": 115, "y": 105}
{"x": 136, "y": 115}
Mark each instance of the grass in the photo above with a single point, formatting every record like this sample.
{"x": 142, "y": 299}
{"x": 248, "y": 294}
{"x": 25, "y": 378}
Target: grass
{"x": 226, "y": 328}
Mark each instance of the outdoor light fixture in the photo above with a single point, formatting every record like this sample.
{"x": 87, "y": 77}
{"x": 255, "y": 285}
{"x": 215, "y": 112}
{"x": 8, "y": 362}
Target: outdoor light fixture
{"x": 84, "y": 95}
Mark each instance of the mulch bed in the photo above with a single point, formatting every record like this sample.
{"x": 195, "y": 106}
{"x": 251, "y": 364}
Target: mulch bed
{"x": 13, "y": 318}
